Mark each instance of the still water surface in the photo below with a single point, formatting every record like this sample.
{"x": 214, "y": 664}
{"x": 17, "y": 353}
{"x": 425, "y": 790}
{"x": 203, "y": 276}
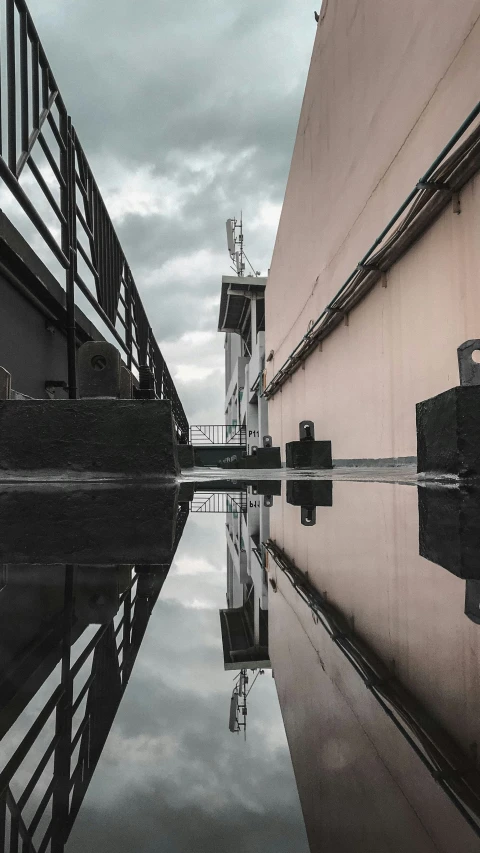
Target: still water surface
{"x": 353, "y": 608}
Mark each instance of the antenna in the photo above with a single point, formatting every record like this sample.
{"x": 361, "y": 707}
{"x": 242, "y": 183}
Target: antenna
{"x": 231, "y": 236}
{"x": 238, "y": 702}
{"x": 235, "y": 246}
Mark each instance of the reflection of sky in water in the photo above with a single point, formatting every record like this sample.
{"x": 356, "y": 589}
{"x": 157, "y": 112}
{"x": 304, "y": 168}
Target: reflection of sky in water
{"x": 172, "y": 776}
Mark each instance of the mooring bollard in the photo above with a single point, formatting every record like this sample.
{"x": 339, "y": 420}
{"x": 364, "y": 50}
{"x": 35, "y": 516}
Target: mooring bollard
{"x": 98, "y": 370}
{"x": 308, "y": 494}
{"x": 306, "y": 452}
{"x": 448, "y": 425}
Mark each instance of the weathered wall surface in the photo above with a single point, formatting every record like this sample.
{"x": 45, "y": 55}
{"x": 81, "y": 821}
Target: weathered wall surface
{"x": 33, "y": 343}
{"x": 389, "y": 84}
{"x": 361, "y": 785}
{"x": 31, "y": 348}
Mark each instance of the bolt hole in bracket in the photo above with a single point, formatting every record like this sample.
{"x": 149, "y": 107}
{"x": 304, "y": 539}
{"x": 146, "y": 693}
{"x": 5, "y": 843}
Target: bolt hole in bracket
{"x": 469, "y": 362}
{"x": 308, "y": 516}
{"x": 99, "y": 362}
{"x": 306, "y": 431}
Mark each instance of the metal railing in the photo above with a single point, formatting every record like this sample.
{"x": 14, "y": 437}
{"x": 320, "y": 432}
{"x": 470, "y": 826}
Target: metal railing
{"x": 41, "y": 816}
{"x": 219, "y": 502}
{"x": 37, "y": 137}
{"x": 61, "y": 749}
{"x": 441, "y": 183}
{"x": 218, "y": 434}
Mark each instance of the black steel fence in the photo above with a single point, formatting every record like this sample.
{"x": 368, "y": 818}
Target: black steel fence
{"x": 219, "y": 502}
{"x": 218, "y": 434}
{"x": 65, "y": 740}
{"x": 37, "y": 136}
{"x": 81, "y": 671}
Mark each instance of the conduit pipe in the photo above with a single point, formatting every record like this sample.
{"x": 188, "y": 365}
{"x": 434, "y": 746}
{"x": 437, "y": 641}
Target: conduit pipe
{"x": 432, "y": 196}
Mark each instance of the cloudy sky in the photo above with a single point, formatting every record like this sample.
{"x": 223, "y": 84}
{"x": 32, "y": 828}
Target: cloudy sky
{"x": 187, "y": 112}
{"x": 172, "y": 777}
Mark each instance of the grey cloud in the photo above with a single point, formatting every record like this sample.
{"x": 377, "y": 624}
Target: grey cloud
{"x": 153, "y": 85}
{"x": 172, "y": 777}
{"x": 203, "y": 399}
{"x": 205, "y": 789}
{"x": 185, "y": 829}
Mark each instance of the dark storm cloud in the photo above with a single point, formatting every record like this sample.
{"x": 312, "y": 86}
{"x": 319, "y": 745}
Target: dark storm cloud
{"x": 187, "y": 113}
{"x": 144, "y": 78}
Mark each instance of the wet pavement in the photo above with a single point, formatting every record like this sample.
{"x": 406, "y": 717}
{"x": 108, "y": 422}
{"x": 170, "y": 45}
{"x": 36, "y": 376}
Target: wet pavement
{"x": 278, "y": 662}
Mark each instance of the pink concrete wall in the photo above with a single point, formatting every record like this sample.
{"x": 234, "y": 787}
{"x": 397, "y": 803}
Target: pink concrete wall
{"x": 361, "y": 786}
{"x": 389, "y": 84}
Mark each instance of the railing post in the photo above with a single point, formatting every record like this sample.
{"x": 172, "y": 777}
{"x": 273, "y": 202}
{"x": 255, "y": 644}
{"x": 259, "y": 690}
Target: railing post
{"x": 3, "y": 820}
{"x": 11, "y": 88}
{"x": 68, "y": 195}
{"x": 128, "y": 315}
{"x": 63, "y": 727}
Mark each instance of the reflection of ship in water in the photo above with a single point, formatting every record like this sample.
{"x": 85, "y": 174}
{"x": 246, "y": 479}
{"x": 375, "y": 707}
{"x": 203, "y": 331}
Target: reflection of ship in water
{"x": 70, "y": 634}
{"x": 244, "y": 622}
{"x": 379, "y": 690}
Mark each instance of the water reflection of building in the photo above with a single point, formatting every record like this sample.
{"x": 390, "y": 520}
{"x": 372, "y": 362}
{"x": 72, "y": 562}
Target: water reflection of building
{"x": 69, "y": 635}
{"x": 244, "y": 622}
{"x": 376, "y": 666}
{"x": 242, "y": 318}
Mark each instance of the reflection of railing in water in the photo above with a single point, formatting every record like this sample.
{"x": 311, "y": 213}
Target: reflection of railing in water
{"x": 219, "y": 502}
{"x": 38, "y": 135}
{"x": 66, "y": 739}
{"x": 103, "y": 669}
{"x": 450, "y": 767}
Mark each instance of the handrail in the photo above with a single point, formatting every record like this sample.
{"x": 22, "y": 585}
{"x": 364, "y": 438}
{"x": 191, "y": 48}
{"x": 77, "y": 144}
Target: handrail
{"x": 442, "y": 180}
{"x": 205, "y": 434}
{"x": 447, "y": 763}
{"x": 88, "y": 248}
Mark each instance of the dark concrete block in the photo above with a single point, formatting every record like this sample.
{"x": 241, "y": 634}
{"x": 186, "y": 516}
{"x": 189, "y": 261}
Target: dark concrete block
{"x": 5, "y": 384}
{"x": 217, "y": 455}
{"x": 126, "y": 383}
{"x": 99, "y": 370}
{"x": 268, "y": 457}
{"x": 472, "y": 600}
{"x": 84, "y": 523}
{"x": 232, "y": 465}
{"x": 97, "y": 593}
{"x": 309, "y": 454}
{"x": 309, "y": 492}
{"x": 448, "y": 432}
{"x": 186, "y": 455}
{"x": 99, "y": 438}
{"x": 267, "y": 487}
{"x": 264, "y": 457}
{"x": 449, "y": 529}
{"x": 187, "y": 491}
